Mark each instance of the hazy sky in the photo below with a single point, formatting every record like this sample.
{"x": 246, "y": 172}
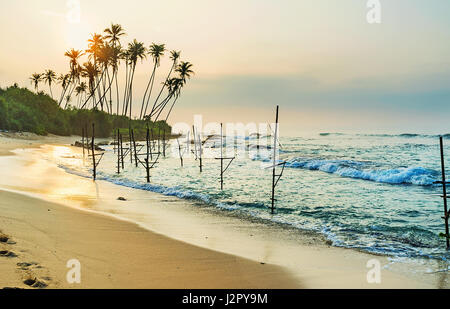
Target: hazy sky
{"x": 327, "y": 68}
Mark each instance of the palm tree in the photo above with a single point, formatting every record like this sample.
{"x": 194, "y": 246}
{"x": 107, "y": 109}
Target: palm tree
{"x": 174, "y": 86}
{"x": 68, "y": 99}
{"x": 174, "y": 56}
{"x": 156, "y": 52}
{"x": 95, "y": 43}
{"x": 136, "y": 50}
{"x": 79, "y": 91}
{"x": 36, "y": 78}
{"x": 113, "y": 34}
{"x": 74, "y": 56}
{"x": 90, "y": 71}
{"x": 184, "y": 69}
{"x": 49, "y": 77}
{"x": 64, "y": 80}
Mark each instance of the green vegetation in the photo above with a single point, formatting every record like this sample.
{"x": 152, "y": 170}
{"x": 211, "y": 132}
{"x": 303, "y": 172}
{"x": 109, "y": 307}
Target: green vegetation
{"x": 23, "y": 110}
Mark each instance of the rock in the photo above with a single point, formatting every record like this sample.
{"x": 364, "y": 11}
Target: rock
{"x": 120, "y": 198}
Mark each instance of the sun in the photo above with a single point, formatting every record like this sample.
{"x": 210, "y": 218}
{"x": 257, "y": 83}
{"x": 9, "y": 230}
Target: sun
{"x": 77, "y": 35}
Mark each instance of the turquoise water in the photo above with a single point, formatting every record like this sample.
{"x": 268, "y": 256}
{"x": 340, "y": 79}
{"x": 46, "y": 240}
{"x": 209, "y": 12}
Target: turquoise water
{"x": 370, "y": 192}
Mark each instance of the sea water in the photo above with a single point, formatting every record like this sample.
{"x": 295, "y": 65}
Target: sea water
{"x": 372, "y": 192}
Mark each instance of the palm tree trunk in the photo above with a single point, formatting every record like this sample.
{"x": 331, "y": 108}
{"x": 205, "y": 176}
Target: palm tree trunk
{"x": 117, "y": 91}
{"x": 152, "y": 77}
{"x": 168, "y": 114}
{"x": 162, "y": 88}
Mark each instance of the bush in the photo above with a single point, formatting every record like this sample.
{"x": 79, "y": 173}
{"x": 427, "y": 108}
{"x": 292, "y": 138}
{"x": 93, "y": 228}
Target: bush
{"x": 23, "y": 110}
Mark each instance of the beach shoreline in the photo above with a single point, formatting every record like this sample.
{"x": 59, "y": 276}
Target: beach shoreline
{"x": 273, "y": 257}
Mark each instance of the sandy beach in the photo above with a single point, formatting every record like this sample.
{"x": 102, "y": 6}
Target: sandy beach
{"x": 49, "y": 217}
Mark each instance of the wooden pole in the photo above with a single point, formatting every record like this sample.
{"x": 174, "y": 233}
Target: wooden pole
{"x": 200, "y": 153}
{"x": 87, "y": 138}
{"x": 444, "y": 195}
{"x": 129, "y": 140}
{"x": 93, "y": 152}
{"x": 179, "y": 152}
{"x": 114, "y": 143}
{"x": 159, "y": 140}
{"x": 147, "y": 168}
{"x": 118, "y": 151}
{"x": 82, "y": 141}
{"x": 121, "y": 150}
{"x": 274, "y": 161}
{"x": 221, "y": 156}
{"x": 164, "y": 143}
{"x": 134, "y": 146}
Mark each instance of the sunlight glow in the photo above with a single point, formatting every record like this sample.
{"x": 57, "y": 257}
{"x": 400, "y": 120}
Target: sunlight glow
{"x": 77, "y": 35}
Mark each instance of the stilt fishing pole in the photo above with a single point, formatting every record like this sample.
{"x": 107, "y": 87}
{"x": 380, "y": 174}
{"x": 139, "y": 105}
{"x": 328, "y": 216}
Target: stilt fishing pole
{"x": 147, "y": 164}
{"x": 275, "y": 177}
{"x": 118, "y": 151}
{"x": 179, "y": 152}
{"x": 444, "y": 195}
{"x": 198, "y": 148}
{"x": 222, "y": 158}
{"x": 95, "y": 162}
{"x": 130, "y": 149}
{"x": 121, "y": 151}
{"x": 82, "y": 141}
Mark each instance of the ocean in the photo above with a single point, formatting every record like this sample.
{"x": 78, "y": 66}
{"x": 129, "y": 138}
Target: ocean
{"x": 372, "y": 192}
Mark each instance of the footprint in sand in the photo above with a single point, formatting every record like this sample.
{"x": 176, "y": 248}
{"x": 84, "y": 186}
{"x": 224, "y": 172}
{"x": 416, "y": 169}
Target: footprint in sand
{"x": 35, "y": 283}
{"x": 3, "y": 238}
{"x": 7, "y": 253}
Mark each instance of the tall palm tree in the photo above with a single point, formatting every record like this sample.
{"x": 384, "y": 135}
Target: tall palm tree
{"x": 113, "y": 34}
{"x": 90, "y": 71}
{"x": 64, "y": 80}
{"x": 74, "y": 56}
{"x": 156, "y": 52}
{"x": 95, "y": 45}
{"x": 136, "y": 51}
{"x": 185, "y": 71}
{"x": 174, "y": 56}
{"x": 49, "y": 77}
{"x": 79, "y": 91}
{"x": 36, "y": 78}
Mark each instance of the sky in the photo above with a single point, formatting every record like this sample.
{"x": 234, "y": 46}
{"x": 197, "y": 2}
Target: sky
{"x": 327, "y": 68}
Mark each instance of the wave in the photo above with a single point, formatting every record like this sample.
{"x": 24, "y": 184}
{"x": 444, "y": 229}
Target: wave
{"x": 358, "y": 170}
{"x": 408, "y": 135}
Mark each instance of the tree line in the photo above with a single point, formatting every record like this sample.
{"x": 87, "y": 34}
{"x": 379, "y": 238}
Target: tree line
{"x": 94, "y": 83}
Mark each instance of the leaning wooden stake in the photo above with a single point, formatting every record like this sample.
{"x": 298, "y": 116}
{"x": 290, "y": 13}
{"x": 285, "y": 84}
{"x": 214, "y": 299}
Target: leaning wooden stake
{"x": 134, "y": 146}
{"x": 275, "y": 164}
{"x": 222, "y": 170}
{"x": 118, "y": 151}
{"x": 179, "y": 152}
{"x": 82, "y": 141}
{"x": 93, "y": 152}
{"x": 198, "y": 148}
{"x": 121, "y": 151}
{"x": 164, "y": 143}
{"x": 444, "y": 193}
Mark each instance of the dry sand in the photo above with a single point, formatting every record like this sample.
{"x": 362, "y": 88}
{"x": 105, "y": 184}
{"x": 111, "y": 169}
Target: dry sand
{"x": 44, "y": 234}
